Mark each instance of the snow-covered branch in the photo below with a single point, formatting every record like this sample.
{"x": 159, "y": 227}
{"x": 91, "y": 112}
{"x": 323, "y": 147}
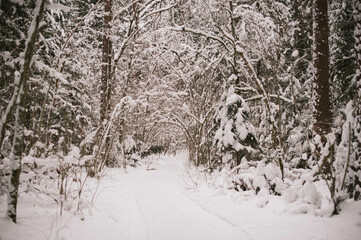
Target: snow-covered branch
{"x": 201, "y": 33}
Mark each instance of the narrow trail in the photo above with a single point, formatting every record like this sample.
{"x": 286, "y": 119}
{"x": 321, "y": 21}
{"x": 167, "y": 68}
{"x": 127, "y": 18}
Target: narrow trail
{"x": 160, "y": 205}
{"x": 153, "y": 205}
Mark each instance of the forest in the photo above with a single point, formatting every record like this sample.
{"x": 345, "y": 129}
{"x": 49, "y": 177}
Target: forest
{"x": 265, "y": 93}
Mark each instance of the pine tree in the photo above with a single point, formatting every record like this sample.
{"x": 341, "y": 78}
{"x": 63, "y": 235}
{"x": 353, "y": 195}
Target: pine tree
{"x": 235, "y": 136}
{"x": 342, "y": 58}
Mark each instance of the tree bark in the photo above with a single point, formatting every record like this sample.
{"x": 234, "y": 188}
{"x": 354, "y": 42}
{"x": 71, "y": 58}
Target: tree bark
{"x": 357, "y": 127}
{"x": 18, "y": 102}
{"x": 106, "y": 63}
{"x": 322, "y": 104}
{"x": 15, "y": 165}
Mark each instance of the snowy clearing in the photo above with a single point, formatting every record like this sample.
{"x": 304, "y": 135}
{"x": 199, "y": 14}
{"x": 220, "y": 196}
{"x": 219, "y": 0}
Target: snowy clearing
{"x": 162, "y": 203}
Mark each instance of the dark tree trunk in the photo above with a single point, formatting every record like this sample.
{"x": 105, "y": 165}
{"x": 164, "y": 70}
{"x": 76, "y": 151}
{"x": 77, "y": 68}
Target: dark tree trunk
{"x": 106, "y": 63}
{"x": 15, "y": 165}
{"x": 322, "y": 113}
{"x": 357, "y": 127}
{"x": 105, "y": 88}
{"x": 20, "y": 115}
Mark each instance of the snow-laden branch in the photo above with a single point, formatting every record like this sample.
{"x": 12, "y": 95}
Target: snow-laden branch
{"x": 183, "y": 126}
{"x": 201, "y": 33}
{"x": 22, "y": 76}
{"x": 58, "y": 6}
{"x": 180, "y": 74}
{"x": 258, "y": 97}
{"x": 118, "y": 109}
{"x": 192, "y": 115}
{"x": 157, "y": 11}
{"x": 227, "y": 35}
{"x": 238, "y": 51}
{"x": 51, "y": 71}
{"x": 77, "y": 26}
{"x": 148, "y": 5}
{"x": 255, "y": 78}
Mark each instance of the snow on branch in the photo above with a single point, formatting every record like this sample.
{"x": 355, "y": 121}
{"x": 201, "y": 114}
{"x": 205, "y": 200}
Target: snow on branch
{"x": 257, "y": 81}
{"x": 22, "y": 76}
{"x": 157, "y": 11}
{"x": 148, "y": 5}
{"x": 201, "y": 33}
{"x": 55, "y": 6}
{"x": 258, "y": 97}
{"x": 182, "y": 125}
{"x": 82, "y": 20}
{"x": 52, "y": 72}
{"x": 191, "y": 115}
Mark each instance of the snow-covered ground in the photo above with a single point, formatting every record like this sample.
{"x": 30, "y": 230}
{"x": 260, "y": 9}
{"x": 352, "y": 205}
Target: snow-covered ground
{"x": 163, "y": 203}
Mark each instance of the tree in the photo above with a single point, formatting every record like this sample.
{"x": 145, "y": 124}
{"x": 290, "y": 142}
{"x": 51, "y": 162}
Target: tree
{"x": 20, "y": 81}
{"x": 235, "y": 135}
{"x": 19, "y": 15}
{"x": 106, "y": 63}
{"x": 342, "y": 57}
{"x": 322, "y": 104}
{"x": 343, "y": 87}
{"x": 357, "y": 124}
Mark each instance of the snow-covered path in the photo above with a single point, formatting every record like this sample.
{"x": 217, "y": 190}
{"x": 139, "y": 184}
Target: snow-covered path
{"x": 154, "y": 205}
{"x": 163, "y": 204}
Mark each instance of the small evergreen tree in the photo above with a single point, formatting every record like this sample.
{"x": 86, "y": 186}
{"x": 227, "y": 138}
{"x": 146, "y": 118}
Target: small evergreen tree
{"x": 235, "y": 135}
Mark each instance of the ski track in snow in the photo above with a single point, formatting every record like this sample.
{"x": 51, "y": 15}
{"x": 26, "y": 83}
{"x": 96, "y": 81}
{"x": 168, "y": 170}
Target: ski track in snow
{"x": 224, "y": 219}
{"x": 155, "y": 205}
{"x": 170, "y": 214}
{"x": 215, "y": 214}
{"x": 141, "y": 213}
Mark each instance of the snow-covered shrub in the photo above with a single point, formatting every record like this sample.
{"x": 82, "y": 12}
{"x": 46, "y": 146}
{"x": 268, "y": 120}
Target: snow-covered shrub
{"x": 308, "y": 197}
{"x": 154, "y": 149}
{"x": 235, "y": 136}
{"x": 61, "y": 178}
{"x": 260, "y": 176}
{"x": 130, "y": 146}
{"x": 4, "y": 173}
{"x": 130, "y": 153}
{"x": 336, "y": 164}
{"x": 298, "y": 147}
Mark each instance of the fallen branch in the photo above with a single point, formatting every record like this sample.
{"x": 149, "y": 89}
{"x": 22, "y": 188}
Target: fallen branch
{"x": 149, "y": 169}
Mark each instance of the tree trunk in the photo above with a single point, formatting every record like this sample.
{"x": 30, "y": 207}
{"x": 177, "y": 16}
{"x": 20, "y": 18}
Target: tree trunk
{"x": 357, "y": 127}
{"x": 106, "y": 64}
{"x": 105, "y": 79}
{"x": 18, "y": 102}
{"x": 15, "y": 165}
{"x": 322, "y": 111}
